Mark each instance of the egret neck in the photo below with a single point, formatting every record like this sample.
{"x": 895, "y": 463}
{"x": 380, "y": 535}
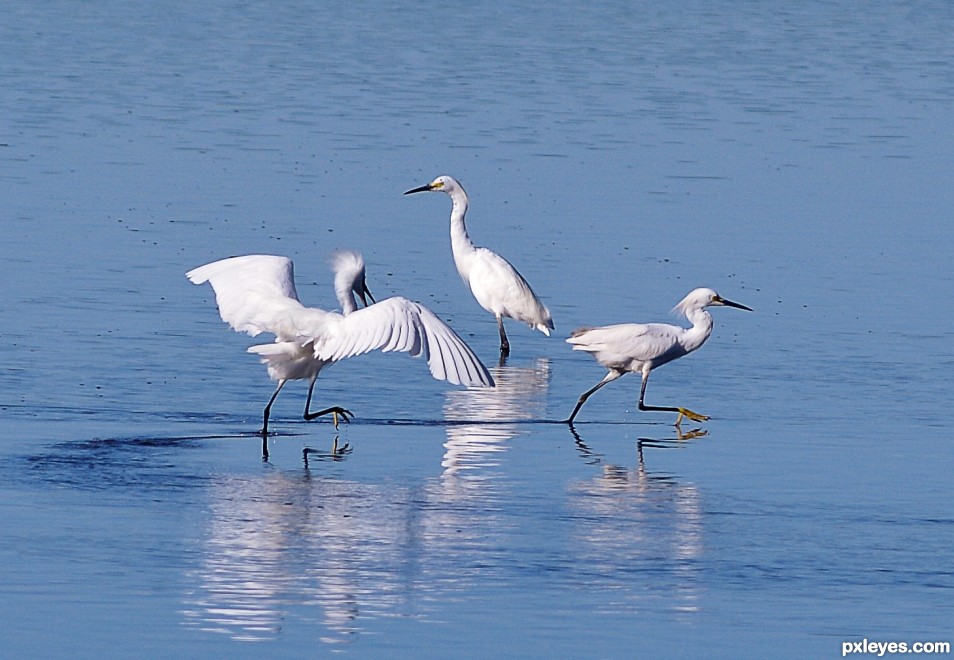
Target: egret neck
{"x": 461, "y": 245}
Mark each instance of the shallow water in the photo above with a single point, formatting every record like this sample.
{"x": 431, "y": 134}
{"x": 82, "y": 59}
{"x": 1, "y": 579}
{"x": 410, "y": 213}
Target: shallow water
{"x": 796, "y": 159}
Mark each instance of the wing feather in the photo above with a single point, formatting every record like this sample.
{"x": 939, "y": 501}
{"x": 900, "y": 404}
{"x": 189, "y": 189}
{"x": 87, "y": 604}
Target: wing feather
{"x": 439, "y": 363}
{"x": 455, "y": 362}
{"x": 256, "y": 293}
{"x": 397, "y": 324}
{"x": 468, "y": 369}
{"x": 627, "y": 341}
{"x": 499, "y": 287}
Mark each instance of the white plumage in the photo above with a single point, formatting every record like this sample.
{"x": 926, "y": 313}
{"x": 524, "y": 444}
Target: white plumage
{"x": 256, "y": 294}
{"x": 493, "y": 280}
{"x": 640, "y": 348}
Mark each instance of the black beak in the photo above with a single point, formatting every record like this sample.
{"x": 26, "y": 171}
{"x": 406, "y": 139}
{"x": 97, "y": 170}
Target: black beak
{"x": 366, "y": 292}
{"x": 416, "y": 190}
{"x": 729, "y": 303}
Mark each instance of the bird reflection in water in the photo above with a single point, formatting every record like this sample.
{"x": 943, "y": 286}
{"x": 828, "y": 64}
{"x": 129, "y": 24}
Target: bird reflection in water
{"x": 296, "y": 545}
{"x": 464, "y": 515}
{"x": 337, "y": 453}
{"x": 633, "y": 521}
{"x": 520, "y": 396}
{"x": 293, "y": 545}
{"x": 593, "y": 457}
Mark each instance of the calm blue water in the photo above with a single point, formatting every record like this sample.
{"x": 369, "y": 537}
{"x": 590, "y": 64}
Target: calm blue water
{"x": 795, "y": 158}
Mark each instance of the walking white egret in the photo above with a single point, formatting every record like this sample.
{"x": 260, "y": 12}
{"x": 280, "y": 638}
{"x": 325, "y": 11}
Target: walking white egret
{"x": 256, "y": 294}
{"x": 493, "y": 280}
{"x": 640, "y": 348}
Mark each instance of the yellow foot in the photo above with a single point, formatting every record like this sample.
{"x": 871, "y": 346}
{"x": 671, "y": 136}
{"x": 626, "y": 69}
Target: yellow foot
{"x": 345, "y": 416}
{"x": 688, "y": 414}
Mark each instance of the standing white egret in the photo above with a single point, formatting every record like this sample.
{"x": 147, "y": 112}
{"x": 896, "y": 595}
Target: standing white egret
{"x": 640, "y": 348}
{"x": 256, "y": 294}
{"x": 493, "y": 280}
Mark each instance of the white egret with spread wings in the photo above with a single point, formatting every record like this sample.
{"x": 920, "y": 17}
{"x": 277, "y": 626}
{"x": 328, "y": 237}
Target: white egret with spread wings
{"x": 256, "y": 294}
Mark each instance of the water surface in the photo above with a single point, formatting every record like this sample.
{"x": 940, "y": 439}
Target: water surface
{"x": 795, "y": 158}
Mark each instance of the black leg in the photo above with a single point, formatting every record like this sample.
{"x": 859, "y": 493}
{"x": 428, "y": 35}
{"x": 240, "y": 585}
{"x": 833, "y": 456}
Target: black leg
{"x": 610, "y": 377}
{"x": 268, "y": 407}
{"x": 268, "y": 410}
{"x": 504, "y": 343}
{"x": 683, "y": 412}
{"x": 334, "y": 410}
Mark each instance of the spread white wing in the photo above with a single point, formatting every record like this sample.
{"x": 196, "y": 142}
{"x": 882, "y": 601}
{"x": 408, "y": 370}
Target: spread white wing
{"x": 398, "y": 324}
{"x": 256, "y": 293}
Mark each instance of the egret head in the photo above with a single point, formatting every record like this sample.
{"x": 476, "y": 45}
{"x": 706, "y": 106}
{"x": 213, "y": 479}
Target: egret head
{"x": 349, "y": 270}
{"x": 443, "y": 183}
{"x": 703, "y": 297}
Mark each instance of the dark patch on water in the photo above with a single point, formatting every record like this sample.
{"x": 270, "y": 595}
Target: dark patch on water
{"x": 132, "y": 464}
